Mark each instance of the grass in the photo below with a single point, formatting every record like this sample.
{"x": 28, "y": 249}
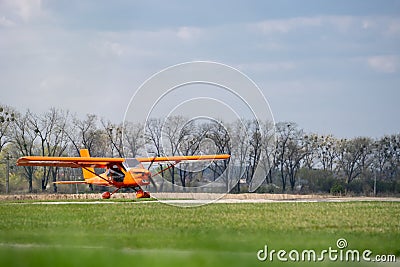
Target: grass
{"x": 155, "y": 234}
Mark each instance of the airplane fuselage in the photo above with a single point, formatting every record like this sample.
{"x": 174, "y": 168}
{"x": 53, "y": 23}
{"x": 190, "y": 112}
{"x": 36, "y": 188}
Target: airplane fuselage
{"x": 133, "y": 177}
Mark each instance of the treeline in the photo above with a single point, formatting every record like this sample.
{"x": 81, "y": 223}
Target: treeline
{"x": 292, "y": 159}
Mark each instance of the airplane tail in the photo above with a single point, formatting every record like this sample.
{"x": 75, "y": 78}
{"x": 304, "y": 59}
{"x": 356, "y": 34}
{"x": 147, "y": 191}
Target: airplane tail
{"x": 87, "y": 172}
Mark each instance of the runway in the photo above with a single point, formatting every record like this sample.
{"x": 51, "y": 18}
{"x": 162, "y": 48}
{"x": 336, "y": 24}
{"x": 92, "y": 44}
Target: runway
{"x": 180, "y": 199}
{"x": 201, "y": 202}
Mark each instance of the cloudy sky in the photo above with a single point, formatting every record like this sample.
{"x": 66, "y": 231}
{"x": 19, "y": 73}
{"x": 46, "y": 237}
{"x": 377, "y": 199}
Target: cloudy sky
{"x": 330, "y": 66}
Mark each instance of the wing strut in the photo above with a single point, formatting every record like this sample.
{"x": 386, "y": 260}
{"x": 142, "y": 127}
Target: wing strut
{"x": 169, "y": 167}
{"x": 163, "y": 170}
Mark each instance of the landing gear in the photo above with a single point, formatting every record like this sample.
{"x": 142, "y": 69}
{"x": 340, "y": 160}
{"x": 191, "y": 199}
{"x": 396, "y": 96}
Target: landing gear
{"x": 142, "y": 194}
{"x": 106, "y": 195}
{"x": 139, "y": 193}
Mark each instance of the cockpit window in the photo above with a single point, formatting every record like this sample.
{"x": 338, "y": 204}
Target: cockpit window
{"x": 116, "y": 174}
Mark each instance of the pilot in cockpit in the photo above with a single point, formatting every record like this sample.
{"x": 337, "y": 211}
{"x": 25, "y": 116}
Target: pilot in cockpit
{"x": 116, "y": 174}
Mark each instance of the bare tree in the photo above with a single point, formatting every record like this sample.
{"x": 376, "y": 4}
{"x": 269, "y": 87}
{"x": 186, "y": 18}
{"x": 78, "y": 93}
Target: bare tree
{"x": 395, "y": 156}
{"x": 222, "y": 140}
{"x": 175, "y": 130}
{"x": 268, "y": 151}
{"x": 240, "y": 148}
{"x": 352, "y": 157}
{"x": 190, "y": 137}
{"x": 153, "y": 143}
{"x": 325, "y": 149}
{"x": 7, "y": 118}
{"x": 24, "y": 137}
{"x": 58, "y": 142}
{"x": 386, "y": 156}
{"x": 291, "y": 148}
{"x": 133, "y": 138}
{"x": 153, "y": 136}
{"x": 255, "y": 149}
{"x": 252, "y": 145}
{"x": 86, "y": 134}
{"x": 297, "y": 150}
{"x": 114, "y": 138}
{"x": 285, "y": 130}
{"x": 382, "y": 155}
{"x": 50, "y": 129}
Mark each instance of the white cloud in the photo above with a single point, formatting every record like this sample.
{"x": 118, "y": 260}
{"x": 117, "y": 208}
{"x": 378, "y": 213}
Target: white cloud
{"x": 23, "y": 9}
{"x": 59, "y": 82}
{"x": 366, "y": 24}
{"x": 341, "y": 24}
{"x": 129, "y": 44}
{"x": 393, "y": 27}
{"x": 188, "y": 33}
{"x": 287, "y": 25}
{"x": 386, "y": 64}
{"x": 55, "y": 57}
{"x": 28, "y": 9}
{"x": 114, "y": 48}
{"x": 5, "y": 22}
{"x": 383, "y": 25}
{"x": 267, "y": 66}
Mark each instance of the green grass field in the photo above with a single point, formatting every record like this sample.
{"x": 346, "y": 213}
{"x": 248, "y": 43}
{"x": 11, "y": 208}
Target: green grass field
{"x": 155, "y": 234}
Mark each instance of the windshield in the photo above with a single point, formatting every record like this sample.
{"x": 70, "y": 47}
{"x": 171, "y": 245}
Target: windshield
{"x": 130, "y": 163}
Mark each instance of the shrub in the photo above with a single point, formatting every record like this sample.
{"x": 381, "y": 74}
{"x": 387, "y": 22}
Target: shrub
{"x": 337, "y": 188}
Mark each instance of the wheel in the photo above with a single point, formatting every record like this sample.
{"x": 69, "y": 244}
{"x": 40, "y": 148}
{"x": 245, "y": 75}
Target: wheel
{"x": 142, "y": 194}
{"x": 106, "y": 195}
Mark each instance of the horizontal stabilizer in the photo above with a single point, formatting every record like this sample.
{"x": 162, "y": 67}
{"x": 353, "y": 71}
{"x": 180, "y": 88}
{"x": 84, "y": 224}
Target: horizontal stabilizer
{"x": 70, "y": 182}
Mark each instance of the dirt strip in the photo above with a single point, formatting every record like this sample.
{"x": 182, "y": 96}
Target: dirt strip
{"x": 195, "y": 196}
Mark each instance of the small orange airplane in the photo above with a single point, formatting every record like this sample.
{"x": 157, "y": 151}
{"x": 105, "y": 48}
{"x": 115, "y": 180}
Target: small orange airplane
{"x": 119, "y": 173}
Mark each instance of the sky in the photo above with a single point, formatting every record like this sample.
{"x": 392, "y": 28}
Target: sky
{"x": 333, "y": 67}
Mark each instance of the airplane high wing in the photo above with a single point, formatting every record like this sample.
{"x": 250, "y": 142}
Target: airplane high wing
{"x": 94, "y": 162}
{"x": 72, "y": 162}
{"x": 118, "y": 172}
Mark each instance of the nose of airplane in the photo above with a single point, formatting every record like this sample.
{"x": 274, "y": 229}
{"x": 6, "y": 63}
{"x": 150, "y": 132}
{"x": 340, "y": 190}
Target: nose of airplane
{"x": 147, "y": 173}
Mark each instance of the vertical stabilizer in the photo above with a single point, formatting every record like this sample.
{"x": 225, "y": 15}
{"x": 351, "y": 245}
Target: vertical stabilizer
{"x": 87, "y": 172}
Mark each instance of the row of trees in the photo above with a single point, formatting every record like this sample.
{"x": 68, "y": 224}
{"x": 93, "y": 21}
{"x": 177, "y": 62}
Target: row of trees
{"x": 290, "y": 158}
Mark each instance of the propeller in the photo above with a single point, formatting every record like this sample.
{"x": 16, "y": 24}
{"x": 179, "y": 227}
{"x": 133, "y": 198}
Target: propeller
{"x": 162, "y": 170}
{"x": 152, "y": 181}
{"x": 151, "y": 162}
{"x": 151, "y": 175}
